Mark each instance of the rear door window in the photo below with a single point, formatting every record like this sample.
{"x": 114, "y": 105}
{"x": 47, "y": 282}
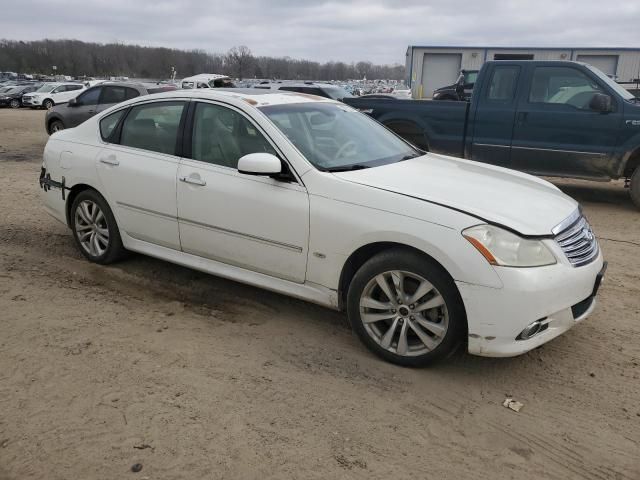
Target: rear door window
{"x": 153, "y": 127}
{"x": 113, "y": 94}
{"x": 502, "y": 86}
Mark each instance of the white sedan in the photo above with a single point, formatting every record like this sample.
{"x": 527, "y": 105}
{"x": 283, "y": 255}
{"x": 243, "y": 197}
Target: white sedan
{"x": 308, "y": 197}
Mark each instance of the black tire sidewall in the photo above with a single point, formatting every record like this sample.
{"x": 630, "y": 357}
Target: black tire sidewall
{"x": 115, "y": 249}
{"x": 46, "y": 102}
{"x": 51, "y": 130}
{"x": 410, "y": 261}
{"x": 14, "y": 103}
{"x": 634, "y": 187}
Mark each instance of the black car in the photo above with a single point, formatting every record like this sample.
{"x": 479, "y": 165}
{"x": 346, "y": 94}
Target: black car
{"x": 12, "y": 96}
{"x": 461, "y": 90}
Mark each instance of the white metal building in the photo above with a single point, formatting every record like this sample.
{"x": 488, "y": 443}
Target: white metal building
{"x": 431, "y": 67}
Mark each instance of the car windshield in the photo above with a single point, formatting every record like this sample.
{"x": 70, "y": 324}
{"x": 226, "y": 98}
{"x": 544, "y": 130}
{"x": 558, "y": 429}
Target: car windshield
{"x": 626, "y": 94}
{"x": 337, "y": 93}
{"x": 336, "y": 137}
{"x": 46, "y": 88}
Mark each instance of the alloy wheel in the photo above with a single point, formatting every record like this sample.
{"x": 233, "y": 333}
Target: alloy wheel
{"x": 15, "y": 103}
{"x": 404, "y": 313}
{"x": 91, "y": 228}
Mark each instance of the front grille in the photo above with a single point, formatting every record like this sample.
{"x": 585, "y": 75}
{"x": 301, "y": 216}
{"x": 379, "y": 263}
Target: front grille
{"x": 578, "y": 242}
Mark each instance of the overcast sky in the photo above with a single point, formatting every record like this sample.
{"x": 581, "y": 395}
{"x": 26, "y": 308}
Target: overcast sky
{"x": 347, "y": 30}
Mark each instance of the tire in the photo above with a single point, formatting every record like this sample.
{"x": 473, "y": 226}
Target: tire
{"x": 55, "y": 126}
{"x": 634, "y": 187}
{"x": 431, "y": 334}
{"x": 15, "y": 103}
{"x": 48, "y": 104}
{"x": 95, "y": 231}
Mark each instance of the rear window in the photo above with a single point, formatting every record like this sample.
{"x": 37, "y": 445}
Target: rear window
{"x": 502, "y": 86}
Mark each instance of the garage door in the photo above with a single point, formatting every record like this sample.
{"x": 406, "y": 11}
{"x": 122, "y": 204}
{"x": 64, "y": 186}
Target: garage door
{"x": 607, "y": 63}
{"x": 438, "y": 70}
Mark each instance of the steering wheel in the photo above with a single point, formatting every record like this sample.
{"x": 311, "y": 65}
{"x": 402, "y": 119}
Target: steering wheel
{"x": 349, "y": 147}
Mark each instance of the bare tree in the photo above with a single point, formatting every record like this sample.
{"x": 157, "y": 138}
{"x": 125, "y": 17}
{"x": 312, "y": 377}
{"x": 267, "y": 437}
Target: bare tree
{"x": 239, "y": 59}
{"x": 73, "y": 57}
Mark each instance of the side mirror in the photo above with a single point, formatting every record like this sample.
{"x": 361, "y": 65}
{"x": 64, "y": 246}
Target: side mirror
{"x": 73, "y": 103}
{"x": 259, "y": 164}
{"x": 601, "y": 102}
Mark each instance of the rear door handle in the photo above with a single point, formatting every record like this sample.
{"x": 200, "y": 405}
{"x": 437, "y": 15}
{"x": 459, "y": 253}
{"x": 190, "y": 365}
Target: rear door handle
{"x": 110, "y": 160}
{"x": 193, "y": 181}
{"x": 522, "y": 117}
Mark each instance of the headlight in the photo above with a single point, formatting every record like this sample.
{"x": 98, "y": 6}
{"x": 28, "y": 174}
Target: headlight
{"x": 501, "y": 247}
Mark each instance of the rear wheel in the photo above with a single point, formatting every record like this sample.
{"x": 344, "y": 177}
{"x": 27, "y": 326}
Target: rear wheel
{"x": 15, "y": 103}
{"x": 95, "y": 229}
{"x": 405, "y": 308}
{"x": 48, "y": 104}
{"x": 634, "y": 187}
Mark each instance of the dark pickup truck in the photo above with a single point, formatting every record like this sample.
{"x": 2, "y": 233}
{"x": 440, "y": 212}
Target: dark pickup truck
{"x": 550, "y": 118}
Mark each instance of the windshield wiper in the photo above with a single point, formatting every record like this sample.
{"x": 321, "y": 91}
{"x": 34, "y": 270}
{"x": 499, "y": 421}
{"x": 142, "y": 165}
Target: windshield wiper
{"x": 347, "y": 168}
{"x": 410, "y": 156}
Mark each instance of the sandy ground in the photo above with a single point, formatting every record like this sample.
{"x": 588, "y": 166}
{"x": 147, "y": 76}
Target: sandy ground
{"x": 197, "y": 377}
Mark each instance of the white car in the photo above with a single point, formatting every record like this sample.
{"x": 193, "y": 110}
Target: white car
{"x": 206, "y": 80}
{"x": 51, "y": 94}
{"x": 308, "y": 197}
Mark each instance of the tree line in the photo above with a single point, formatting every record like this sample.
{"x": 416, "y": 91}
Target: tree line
{"x": 77, "y": 58}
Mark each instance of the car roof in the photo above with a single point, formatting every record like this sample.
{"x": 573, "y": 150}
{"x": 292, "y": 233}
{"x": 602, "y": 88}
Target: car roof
{"x": 255, "y": 97}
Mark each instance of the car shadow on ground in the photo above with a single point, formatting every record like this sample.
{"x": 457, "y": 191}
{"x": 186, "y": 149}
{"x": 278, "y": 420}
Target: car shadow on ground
{"x": 611, "y": 193}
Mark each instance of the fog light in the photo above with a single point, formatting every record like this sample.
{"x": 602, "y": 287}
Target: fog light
{"x": 532, "y": 330}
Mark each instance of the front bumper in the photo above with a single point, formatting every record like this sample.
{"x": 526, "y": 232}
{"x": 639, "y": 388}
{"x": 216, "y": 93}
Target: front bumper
{"x": 31, "y": 101}
{"x": 559, "y": 295}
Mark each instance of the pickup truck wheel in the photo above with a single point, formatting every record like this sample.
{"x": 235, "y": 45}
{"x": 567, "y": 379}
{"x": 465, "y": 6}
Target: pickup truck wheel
{"x": 95, "y": 229}
{"x": 405, "y": 308}
{"x": 634, "y": 187}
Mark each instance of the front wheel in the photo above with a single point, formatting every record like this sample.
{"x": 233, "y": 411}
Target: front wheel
{"x": 634, "y": 187}
{"x": 95, "y": 229}
{"x": 15, "y": 103}
{"x": 55, "y": 126}
{"x": 406, "y": 309}
{"x": 48, "y": 104}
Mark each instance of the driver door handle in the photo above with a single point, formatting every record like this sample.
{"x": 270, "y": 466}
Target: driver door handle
{"x": 193, "y": 181}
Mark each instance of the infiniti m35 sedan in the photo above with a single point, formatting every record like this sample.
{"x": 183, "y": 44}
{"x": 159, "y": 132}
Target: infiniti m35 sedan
{"x": 310, "y": 198}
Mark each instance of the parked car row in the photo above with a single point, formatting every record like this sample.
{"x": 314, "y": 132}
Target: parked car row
{"x": 11, "y": 96}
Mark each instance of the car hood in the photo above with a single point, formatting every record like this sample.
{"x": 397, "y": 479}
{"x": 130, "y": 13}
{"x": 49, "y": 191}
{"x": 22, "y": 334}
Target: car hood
{"x": 521, "y": 202}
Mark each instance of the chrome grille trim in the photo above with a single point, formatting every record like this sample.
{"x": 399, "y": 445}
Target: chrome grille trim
{"x": 577, "y": 240}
